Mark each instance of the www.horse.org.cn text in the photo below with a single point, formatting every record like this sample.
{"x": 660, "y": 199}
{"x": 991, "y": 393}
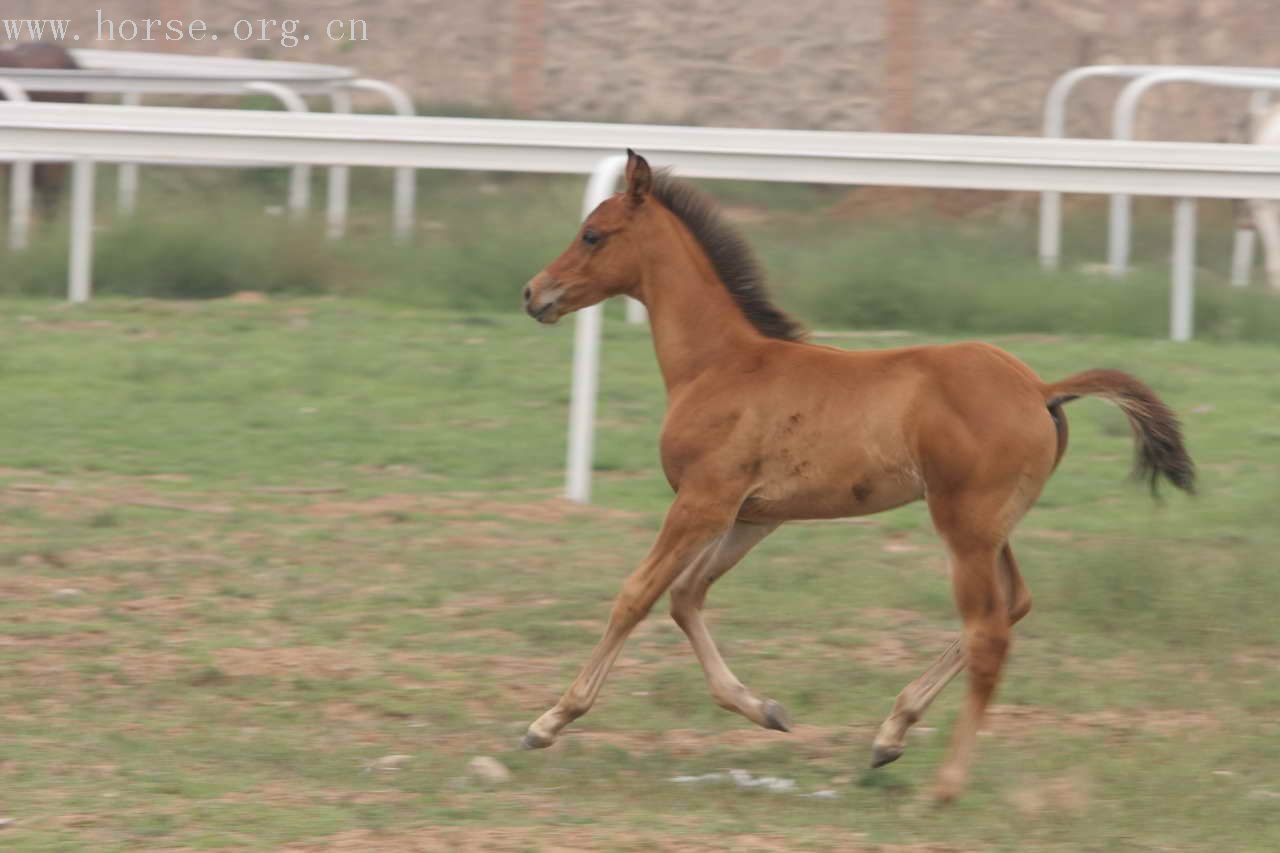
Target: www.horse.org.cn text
{"x": 286, "y": 32}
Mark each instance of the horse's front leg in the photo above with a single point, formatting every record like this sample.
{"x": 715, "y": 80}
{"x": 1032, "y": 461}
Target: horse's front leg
{"x": 688, "y": 595}
{"x": 693, "y": 524}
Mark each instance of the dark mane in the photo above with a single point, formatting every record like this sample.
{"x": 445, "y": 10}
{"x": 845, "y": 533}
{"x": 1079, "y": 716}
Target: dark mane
{"x": 732, "y": 258}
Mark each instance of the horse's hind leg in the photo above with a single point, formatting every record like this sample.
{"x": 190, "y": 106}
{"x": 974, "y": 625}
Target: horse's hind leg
{"x": 917, "y": 696}
{"x": 687, "y": 597}
{"x": 983, "y": 606}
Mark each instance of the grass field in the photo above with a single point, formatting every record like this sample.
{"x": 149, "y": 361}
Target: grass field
{"x": 273, "y": 573}
{"x": 947, "y": 262}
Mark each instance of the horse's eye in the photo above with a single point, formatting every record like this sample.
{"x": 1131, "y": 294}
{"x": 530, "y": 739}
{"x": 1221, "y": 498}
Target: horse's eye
{"x": 590, "y": 237}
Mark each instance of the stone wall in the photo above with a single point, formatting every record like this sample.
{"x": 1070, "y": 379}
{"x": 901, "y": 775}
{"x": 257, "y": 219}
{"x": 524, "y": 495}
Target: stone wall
{"x": 957, "y": 66}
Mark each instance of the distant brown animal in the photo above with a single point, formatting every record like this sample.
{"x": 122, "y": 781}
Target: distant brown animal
{"x": 763, "y": 428}
{"x": 47, "y": 178}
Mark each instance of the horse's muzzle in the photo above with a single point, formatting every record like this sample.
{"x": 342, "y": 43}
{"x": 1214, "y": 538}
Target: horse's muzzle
{"x": 538, "y": 302}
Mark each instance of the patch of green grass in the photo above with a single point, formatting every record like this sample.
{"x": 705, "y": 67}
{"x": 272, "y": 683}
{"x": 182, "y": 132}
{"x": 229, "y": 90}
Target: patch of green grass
{"x": 480, "y": 236}
{"x": 251, "y": 549}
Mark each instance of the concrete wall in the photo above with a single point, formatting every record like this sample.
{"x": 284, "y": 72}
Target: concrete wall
{"x": 962, "y": 66}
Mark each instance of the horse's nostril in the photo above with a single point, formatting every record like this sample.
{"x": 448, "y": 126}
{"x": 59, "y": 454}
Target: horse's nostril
{"x": 528, "y": 293}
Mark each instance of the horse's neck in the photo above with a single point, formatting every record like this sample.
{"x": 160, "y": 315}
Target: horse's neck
{"x": 696, "y": 324}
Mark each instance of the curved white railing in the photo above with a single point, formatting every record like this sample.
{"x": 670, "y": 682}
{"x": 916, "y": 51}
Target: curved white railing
{"x": 1123, "y": 118}
{"x": 1055, "y": 122}
{"x": 300, "y": 174}
{"x": 133, "y": 74}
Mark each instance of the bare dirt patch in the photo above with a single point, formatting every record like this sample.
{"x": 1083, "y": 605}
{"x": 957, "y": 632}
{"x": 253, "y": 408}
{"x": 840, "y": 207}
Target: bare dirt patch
{"x": 70, "y": 499}
{"x": 465, "y": 604}
{"x": 1069, "y": 792}
{"x": 579, "y": 840}
{"x": 470, "y": 520}
{"x": 1028, "y": 720}
{"x": 137, "y": 666}
{"x": 906, "y": 642}
{"x": 33, "y": 587}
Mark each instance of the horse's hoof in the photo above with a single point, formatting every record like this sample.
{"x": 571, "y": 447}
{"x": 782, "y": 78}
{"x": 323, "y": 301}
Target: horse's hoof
{"x": 775, "y": 717}
{"x": 945, "y": 795}
{"x": 948, "y": 787}
{"x": 882, "y": 755}
{"x": 532, "y": 740}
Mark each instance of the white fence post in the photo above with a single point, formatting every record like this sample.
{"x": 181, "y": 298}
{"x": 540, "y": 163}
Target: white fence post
{"x": 127, "y": 173}
{"x": 405, "y": 188}
{"x": 80, "y": 278}
{"x": 1182, "y": 298}
{"x": 636, "y": 312}
{"x": 1119, "y": 207}
{"x": 1242, "y": 256}
{"x": 586, "y": 353}
{"x": 1123, "y": 120}
{"x": 299, "y": 175}
{"x": 337, "y": 191}
{"x": 1055, "y": 126}
{"x": 19, "y": 182}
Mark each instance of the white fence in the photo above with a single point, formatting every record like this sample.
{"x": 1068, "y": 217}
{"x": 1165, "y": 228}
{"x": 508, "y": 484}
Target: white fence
{"x": 135, "y": 74}
{"x": 1142, "y": 78}
{"x": 1183, "y": 171}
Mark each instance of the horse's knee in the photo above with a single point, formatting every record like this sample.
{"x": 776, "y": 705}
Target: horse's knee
{"x": 632, "y": 604}
{"x": 985, "y": 650}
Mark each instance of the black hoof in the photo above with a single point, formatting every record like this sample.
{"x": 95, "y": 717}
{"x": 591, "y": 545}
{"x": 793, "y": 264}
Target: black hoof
{"x": 534, "y": 741}
{"x": 775, "y": 717}
{"x": 882, "y": 755}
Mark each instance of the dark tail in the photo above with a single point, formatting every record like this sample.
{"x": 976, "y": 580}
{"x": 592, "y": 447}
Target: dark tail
{"x": 1160, "y": 451}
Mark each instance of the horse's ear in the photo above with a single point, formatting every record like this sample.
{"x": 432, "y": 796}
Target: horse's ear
{"x": 639, "y": 177}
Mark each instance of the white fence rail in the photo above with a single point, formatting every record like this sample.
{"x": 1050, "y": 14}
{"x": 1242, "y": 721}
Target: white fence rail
{"x": 123, "y": 134}
{"x": 1142, "y": 79}
{"x": 132, "y": 74}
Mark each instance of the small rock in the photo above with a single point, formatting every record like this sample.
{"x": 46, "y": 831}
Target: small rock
{"x": 1223, "y": 773}
{"x": 900, "y": 547}
{"x": 705, "y": 777}
{"x": 489, "y": 769}
{"x": 743, "y": 779}
{"x": 825, "y": 794}
{"x": 68, "y": 592}
{"x": 5, "y": 821}
{"x": 389, "y": 762}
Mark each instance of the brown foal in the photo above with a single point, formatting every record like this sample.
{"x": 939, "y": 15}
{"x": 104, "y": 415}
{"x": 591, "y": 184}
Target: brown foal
{"x": 763, "y": 428}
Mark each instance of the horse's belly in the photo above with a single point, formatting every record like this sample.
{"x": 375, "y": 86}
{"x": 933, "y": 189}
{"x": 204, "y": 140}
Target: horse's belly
{"x": 832, "y": 497}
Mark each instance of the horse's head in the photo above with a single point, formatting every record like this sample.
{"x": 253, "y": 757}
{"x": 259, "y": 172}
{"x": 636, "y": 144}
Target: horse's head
{"x": 604, "y": 258}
